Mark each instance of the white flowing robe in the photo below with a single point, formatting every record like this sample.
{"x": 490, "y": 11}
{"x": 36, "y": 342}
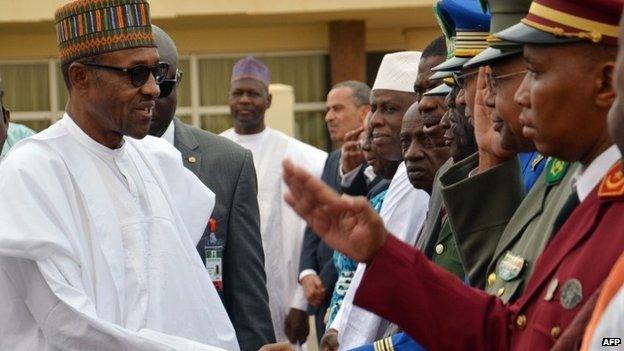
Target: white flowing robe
{"x": 281, "y": 228}
{"x": 403, "y": 212}
{"x": 97, "y": 248}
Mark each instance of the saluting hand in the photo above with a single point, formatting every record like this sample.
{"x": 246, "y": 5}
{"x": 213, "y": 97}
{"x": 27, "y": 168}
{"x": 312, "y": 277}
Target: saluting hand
{"x": 352, "y": 155}
{"x": 347, "y": 224}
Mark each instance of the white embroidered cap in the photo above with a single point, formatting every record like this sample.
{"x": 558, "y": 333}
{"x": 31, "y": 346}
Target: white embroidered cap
{"x": 398, "y": 71}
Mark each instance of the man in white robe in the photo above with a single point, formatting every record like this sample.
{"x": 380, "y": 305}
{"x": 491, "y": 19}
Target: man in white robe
{"x": 281, "y": 229}
{"x": 404, "y": 207}
{"x": 97, "y": 246}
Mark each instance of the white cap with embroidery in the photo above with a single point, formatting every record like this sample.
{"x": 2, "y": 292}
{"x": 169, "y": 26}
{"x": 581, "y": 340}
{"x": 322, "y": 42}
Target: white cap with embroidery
{"x": 398, "y": 71}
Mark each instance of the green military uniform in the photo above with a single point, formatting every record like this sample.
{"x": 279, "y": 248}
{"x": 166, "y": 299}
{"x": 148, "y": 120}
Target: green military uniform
{"x": 465, "y": 27}
{"x": 529, "y": 230}
{"x": 433, "y": 222}
{"x": 436, "y": 239}
{"x": 445, "y": 252}
{"x": 479, "y": 207}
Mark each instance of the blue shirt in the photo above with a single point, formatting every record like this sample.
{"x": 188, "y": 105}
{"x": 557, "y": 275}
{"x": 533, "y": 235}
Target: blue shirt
{"x": 15, "y": 133}
{"x": 531, "y": 165}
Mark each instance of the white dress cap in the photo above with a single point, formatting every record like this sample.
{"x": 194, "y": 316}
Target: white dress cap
{"x": 398, "y": 71}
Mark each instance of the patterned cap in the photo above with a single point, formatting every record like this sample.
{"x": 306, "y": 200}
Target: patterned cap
{"x": 91, "y": 27}
{"x": 252, "y": 68}
{"x": 564, "y": 21}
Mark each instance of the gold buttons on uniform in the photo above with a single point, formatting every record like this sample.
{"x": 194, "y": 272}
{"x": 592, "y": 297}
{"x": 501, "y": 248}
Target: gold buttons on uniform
{"x": 521, "y": 321}
{"x": 555, "y": 332}
{"x": 192, "y": 159}
{"x": 491, "y": 279}
{"x": 500, "y": 292}
{"x": 439, "y": 249}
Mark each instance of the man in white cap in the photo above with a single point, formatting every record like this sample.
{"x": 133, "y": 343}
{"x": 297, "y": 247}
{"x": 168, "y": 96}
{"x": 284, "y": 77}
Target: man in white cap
{"x": 280, "y": 227}
{"x": 404, "y": 207}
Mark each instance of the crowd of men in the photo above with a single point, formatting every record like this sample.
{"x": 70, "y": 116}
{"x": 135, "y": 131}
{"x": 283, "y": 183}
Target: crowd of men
{"x": 473, "y": 200}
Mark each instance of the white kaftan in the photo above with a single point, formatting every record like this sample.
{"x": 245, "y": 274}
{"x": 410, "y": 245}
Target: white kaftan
{"x": 97, "y": 248}
{"x": 403, "y": 212}
{"x": 281, "y": 228}
{"x": 611, "y": 324}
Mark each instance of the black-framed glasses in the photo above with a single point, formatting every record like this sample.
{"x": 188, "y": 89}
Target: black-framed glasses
{"x": 139, "y": 74}
{"x": 494, "y": 81}
{"x": 167, "y": 85}
{"x": 460, "y": 79}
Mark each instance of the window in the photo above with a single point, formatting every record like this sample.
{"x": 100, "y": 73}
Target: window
{"x": 36, "y": 93}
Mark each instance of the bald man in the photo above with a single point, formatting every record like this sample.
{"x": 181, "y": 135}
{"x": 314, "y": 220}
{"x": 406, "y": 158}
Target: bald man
{"x": 242, "y": 286}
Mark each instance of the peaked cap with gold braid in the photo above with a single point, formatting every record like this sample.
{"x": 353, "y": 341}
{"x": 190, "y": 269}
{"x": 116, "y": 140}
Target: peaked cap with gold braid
{"x": 564, "y": 21}
{"x": 505, "y": 13}
{"x": 471, "y": 28}
{"x": 92, "y": 27}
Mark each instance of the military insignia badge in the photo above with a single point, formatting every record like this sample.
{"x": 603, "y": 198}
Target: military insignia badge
{"x": 555, "y": 171}
{"x": 536, "y": 161}
{"x": 510, "y": 266}
{"x": 612, "y": 185}
{"x": 550, "y": 291}
{"x": 571, "y": 294}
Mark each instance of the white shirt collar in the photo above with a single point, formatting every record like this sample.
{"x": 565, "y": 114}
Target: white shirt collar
{"x": 169, "y": 134}
{"x": 88, "y": 142}
{"x": 589, "y": 177}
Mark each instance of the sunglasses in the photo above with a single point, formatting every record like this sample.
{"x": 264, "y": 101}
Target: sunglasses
{"x": 460, "y": 79}
{"x": 167, "y": 85}
{"x": 139, "y": 74}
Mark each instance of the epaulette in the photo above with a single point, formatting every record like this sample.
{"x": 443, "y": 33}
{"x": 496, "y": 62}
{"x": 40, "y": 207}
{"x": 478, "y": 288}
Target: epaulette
{"x": 555, "y": 171}
{"x": 612, "y": 185}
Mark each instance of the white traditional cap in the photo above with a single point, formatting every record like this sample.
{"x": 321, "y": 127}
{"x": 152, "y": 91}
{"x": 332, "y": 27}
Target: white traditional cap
{"x": 398, "y": 71}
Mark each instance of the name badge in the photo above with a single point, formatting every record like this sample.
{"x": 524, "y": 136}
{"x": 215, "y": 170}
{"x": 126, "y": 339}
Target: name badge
{"x": 213, "y": 256}
{"x": 510, "y": 266}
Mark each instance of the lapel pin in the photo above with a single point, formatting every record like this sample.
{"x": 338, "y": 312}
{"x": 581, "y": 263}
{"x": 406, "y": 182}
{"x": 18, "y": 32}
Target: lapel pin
{"x": 571, "y": 294}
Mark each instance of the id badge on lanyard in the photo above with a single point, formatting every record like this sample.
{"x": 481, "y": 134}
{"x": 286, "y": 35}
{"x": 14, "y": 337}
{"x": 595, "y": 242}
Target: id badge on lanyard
{"x": 213, "y": 256}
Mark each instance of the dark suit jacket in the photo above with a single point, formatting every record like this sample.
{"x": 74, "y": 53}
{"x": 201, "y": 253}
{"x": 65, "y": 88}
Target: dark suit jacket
{"x": 228, "y": 170}
{"x": 315, "y": 254}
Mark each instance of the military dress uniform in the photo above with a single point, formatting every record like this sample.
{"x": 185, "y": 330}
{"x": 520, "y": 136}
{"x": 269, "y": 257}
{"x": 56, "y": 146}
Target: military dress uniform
{"x": 443, "y": 314}
{"x": 478, "y": 211}
{"x": 529, "y": 230}
{"x": 466, "y": 26}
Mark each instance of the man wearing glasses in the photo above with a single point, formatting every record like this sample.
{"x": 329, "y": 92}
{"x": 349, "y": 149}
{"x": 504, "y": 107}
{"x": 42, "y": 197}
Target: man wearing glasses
{"x": 236, "y": 213}
{"x": 575, "y": 261}
{"x": 532, "y": 224}
{"x": 100, "y": 223}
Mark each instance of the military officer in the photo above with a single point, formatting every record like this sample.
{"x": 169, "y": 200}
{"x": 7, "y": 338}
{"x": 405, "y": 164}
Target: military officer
{"x": 530, "y": 227}
{"x": 565, "y": 42}
{"x": 469, "y": 31}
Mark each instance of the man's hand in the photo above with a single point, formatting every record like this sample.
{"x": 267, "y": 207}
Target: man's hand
{"x": 329, "y": 341}
{"x": 352, "y": 155}
{"x": 314, "y": 290}
{"x": 347, "y": 224}
{"x": 280, "y": 346}
{"x": 297, "y": 326}
{"x": 491, "y": 153}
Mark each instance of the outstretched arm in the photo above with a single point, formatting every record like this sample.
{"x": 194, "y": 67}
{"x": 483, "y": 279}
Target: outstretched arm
{"x": 348, "y": 224}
